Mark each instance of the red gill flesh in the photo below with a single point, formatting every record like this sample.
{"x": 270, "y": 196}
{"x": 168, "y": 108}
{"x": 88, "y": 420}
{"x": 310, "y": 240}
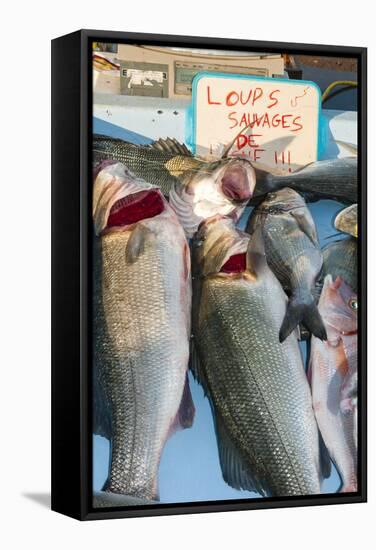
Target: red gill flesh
{"x": 235, "y": 264}
{"x": 136, "y": 207}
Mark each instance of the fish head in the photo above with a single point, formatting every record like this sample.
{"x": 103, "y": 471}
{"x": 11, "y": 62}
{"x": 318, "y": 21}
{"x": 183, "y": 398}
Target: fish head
{"x": 218, "y": 246}
{"x": 339, "y": 305}
{"x": 283, "y": 199}
{"x": 223, "y": 187}
{"x": 120, "y": 199}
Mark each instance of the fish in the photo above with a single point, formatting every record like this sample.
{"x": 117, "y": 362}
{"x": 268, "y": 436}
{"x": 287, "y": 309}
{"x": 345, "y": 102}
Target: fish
{"x": 265, "y": 428}
{"x": 335, "y": 179}
{"x": 293, "y": 254}
{"x": 197, "y": 188}
{"x": 142, "y": 319}
{"x": 333, "y": 376}
{"x": 340, "y": 259}
{"x": 347, "y": 220}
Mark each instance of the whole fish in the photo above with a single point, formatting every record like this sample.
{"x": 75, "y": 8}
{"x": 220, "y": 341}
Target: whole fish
{"x": 340, "y": 259}
{"x": 197, "y": 188}
{"x": 293, "y": 254}
{"x": 333, "y": 375}
{"x": 335, "y": 179}
{"x": 266, "y": 431}
{"x": 347, "y": 220}
{"x": 141, "y": 311}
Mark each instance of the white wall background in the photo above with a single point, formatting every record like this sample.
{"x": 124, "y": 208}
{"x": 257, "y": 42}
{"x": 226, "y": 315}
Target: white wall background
{"x": 27, "y": 28}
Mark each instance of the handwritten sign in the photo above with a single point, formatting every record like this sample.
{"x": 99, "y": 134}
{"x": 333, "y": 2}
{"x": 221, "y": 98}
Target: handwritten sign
{"x": 275, "y": 121}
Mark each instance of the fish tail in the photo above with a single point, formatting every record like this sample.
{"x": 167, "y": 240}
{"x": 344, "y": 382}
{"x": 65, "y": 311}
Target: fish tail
{"x": 302, "y": 312}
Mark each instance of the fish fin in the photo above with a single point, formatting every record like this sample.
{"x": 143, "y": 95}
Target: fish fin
{"x": 351, "y": 148}
{"x": 297, "y": 312}
{"x": 136, "y": 242}
{"x": 325, "y": 462}
{"x": 256, "y": 257}
{"x": 195, "y": 366}
{"x": 171, "y": 145}
{"x": 235, "y": 470}
{"x": 305, "y": 222}
{"x": 101, "y": 416}
{"x": 186, "y": 412}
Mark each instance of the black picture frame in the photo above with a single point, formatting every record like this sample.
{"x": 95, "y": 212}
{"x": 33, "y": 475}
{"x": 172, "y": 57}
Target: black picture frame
{"x": 71, "y": 280}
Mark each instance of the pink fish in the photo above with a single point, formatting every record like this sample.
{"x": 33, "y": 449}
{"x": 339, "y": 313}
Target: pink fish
{"x": 333, "y": 376}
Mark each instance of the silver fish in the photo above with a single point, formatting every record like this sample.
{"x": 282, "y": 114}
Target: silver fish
{"x": 141, "y": 310}
{"x": 333, "y": 375}
{"x": 294, "y": 255}
{"x": 266, "y": 431}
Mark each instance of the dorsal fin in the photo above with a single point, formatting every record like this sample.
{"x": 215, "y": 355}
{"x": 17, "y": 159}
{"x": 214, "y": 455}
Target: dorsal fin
{"x": 171, "y": 145}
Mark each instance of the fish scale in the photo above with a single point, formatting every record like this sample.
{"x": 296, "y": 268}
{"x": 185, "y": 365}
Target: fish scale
{"x": 141, "y": 345}
{"x": 340, "y": 259}
{"x": 335, "y": 179}
{"x": 159, "y": 167}
{"x": 257, "y": 386}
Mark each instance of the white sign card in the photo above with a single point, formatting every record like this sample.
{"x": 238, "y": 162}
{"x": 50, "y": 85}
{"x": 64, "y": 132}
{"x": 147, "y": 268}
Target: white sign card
{"x": 275, "y": 121}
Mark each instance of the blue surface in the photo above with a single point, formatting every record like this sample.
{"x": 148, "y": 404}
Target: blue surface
{"x": 189, "y": 469}
{"x": 107, "y": 129}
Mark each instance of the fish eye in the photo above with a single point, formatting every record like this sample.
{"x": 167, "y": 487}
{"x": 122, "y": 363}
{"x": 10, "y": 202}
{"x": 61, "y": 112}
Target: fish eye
{"x": 353, "y": 303}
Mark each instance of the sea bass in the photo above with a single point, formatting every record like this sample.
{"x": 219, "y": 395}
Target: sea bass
{"x": 340, "y": 259}
{"x": 333, "y": 375}
{"x": 347, "y": 220}
{"x": 335, "y": 179}
{"x": 141, "y": 311}
{"x": 197, "y": 189}
{"x": 293, "y": 254}
{"x": 266, "y": 431}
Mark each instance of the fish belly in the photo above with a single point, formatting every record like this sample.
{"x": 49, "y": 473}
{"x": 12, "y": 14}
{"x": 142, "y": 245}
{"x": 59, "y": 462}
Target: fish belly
{"x": 258, "y": 386}
{"x": 141, "y": 348}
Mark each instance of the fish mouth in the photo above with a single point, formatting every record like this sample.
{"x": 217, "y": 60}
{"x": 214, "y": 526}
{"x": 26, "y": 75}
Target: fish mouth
{"x": 236, "y": 184}
{"x": 135, "y": 207}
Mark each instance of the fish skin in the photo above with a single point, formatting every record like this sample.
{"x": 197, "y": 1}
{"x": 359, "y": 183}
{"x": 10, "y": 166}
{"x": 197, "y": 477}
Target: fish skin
{"x": 141, "y": 317}
{"x": 102, "y": 499}
{"x": 333, "y": 375}
{"x": 266, "y": 431}
{"x": 347, "y": 220}
{"x": 340, "y": 259}
{"x": 335, "y": 179}
{"x": 293, "y": 254}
